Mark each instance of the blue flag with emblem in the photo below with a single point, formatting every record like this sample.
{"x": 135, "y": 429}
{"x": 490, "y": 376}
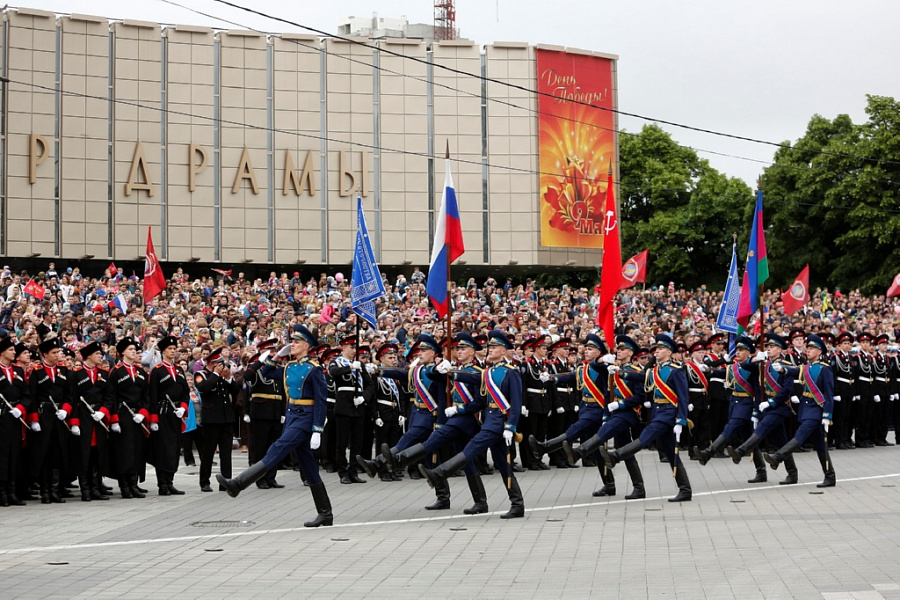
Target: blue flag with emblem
{"x": 727, "y": 320}
{"x": 366, "y": 277}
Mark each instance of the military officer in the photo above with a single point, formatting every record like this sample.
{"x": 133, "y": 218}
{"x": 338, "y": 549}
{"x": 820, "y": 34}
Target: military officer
{"x": 214, "y": 384}
{"x": 168, "y": 398}
{"x": 882, "y": 390}
{"x": 349, "y": 409}
{"x": 565, "y": 399}
{"x": 715, "y": 358}
{"x": 90, "y": 421}
{"x": 387, "y": 405}
{"x": 15, "y": 403}
{"x": 865, "y": 407}
{"x": 49, "y": 383}
{"x": 263, "y": 412}
{"x": 698, "y": 390}
{"x": 537, "y": 401}
{"x": 126, "y": 395}
{"x": 842, "y": 367}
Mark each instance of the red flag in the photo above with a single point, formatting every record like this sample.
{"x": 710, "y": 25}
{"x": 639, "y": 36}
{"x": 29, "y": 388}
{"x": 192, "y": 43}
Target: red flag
{"x": 634, "y": 270}
{"x": 154, "y": 280}
{"x": 35, "y": 289}
{"x": 112, "y": 269}
{"x": 223, "y": 272}
{"x": 798, "y": 294}
{"x": 895, "y": 287}
{"x": 611, "y": 277}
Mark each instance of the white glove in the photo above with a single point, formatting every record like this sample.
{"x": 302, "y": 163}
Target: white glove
{"x": 837, "y": 398}
{"x": 76, "y": 430}
{"x": 690, "y": 408}
{"x": 795, "y": 400}
{"x": 613, "y": 369}
{"x": 444, "y": 366}
{"x": 380, "y": 423}
{"x": 179, "y": 412}
{"x": 97, "y": 416}
{"x": 16, "y": 413}
{"x": 704, "y": 368}
{"x": 138, "y": 418}
{"x": 614, "y": 406}
{"x": 356, "y": 365}
{"x": 755, "y": 421}
{"x": 524, "y": 411}
{"x": 36, "y": 427}
{"x": 402, "y": 420}
{"x": 677, "y": 429}
{"x": 371, "y": 368}
{"x": 647, "y": 404}
{"x": 414, "y": 363}
{"x": 115, "y": 428}
{"x": 282, "y": 419}
{"x": 876, "y": 398}
{"x": 154, "y": 426}
{"x": 777, "y": 367}
{"x": 825, "y": 424}
{"x": 61, "y": 415}
{"x": 450, "y": 411}
{"x": 545, "y": 377}
{"x": 283, "y": 351}
{"x": 560, "y": 410}
{"x": 609, "y": 359}
{"x": 358, "y": 401}
{"x": 246, "y": 418}
{"x": 315, "y": 440}
{"x": 508, "y": 437}
{"x": 760, "y": 356}
{"x": 576, "y": 408}
{"x": 895, "y": 396}
{"x": 855, "y": 398}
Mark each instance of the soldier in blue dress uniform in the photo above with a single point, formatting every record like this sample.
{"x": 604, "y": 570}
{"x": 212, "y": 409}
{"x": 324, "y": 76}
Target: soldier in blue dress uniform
{"x": 306, "y": 391}
{"x": 774, "y": 410}
{"x": 816, "y": 405}
{"x": 666, "y": 385}
{"x": 742, "y": 376}
{"x": 501, "y": 382}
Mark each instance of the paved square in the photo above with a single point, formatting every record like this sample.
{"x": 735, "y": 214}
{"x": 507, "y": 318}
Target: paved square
{"x": 734, "y": 540}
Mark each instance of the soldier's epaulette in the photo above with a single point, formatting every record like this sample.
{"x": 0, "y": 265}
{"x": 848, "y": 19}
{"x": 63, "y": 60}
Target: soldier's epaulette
{"x": 159, "y": 365}
{"x": 677, "y": 365}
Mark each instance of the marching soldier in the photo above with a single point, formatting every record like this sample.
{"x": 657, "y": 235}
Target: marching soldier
{"x": 882, "y": 390}
{"x": 169, "y": 395}
{"x": 842, "y": 367}
{"x": 14, "y": 405}
{"x": 774, "y": 412}
{"x": 349, "y": 409}
{"x": 263, "y": 412}
{"x": 90, "y": 420}
{"x": 126, "y": 395}
{"x": 624, "y": 417}
{"x": 306, "y": 391}
{"x": 815, "y": 409}
{"x": 387, "y": 406}
{"x": 48, "y": 386}
{"x": 536, "y": 403}
{"x": 666, "y": 384}
{"x": 215, "y": 384}
{"x": 503, "y": 385}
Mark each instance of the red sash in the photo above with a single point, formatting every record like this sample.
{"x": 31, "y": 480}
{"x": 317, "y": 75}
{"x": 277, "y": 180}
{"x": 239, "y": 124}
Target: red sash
{"x": 693, "y": 367}
{"x": 591, "y": 386}
{"x": 664, "y": 389}
{"x": 810, "y": 381}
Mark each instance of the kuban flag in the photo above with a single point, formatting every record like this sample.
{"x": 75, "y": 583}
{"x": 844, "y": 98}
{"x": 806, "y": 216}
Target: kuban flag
{"x": 634, "y": 270}
{"x": 757, "y": 270}
{"x": 894, "y": 290}
{"x": 798, "y": 294}
{"x": 154, "y": 280}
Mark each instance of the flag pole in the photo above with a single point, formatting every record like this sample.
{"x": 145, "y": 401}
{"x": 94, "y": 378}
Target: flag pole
{"x": 448, "y": 335}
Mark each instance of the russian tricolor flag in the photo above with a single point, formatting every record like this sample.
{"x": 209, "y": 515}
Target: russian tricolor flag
{"x": 121, "y": 303}
{"x": 448, "y": 246}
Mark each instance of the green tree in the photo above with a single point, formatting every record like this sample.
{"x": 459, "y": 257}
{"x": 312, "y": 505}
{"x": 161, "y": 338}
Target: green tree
{"x": 680, "y": 208}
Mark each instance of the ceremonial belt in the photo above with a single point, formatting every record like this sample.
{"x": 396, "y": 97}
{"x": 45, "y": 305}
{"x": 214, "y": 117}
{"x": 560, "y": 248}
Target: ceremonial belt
{"x": 741, "y": 394}
{"x": 844, "y": 380}
{"x": 697, "y": 390}
{"x": 302, "y": 402}
{"x": 266, "y": 396}
{"x": 562, "y": 389}
{"x": 535, "y": 391}
{"x": 330, "y": 400}
{"x": 866, "y": 379}
{"x": 347, "y": 388}
{"x": 385, "y": 402}
{"x": 492, "y": 405}
{"x": 883, "y": 379}
{"x": 422, "y": 405}
{"x": 717, "y": 379}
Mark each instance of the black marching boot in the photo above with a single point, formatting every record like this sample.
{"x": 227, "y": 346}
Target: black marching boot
{"x": 637, "y": 480}
{"x": 244, "y": 479}
{"x": 619, "y": 454}
{"x": 791, "y": 468}
{"x": 371, "y": 467}
{"x": 778, "y": 457}
{"x": 585, "y": 449}
{"x": 538, "y": 448}
{"x": 85, "y": 489}
{"x": 442, "y": 471}
{"x": 743, "y": 450}
{"x": 324, "y": 516}
{"x": 405, "y": 458}
{"x": 684, "y": 486}
{"x": 442, "y": 496}
{"x": 476, "y": 486}
{"x": 136, "y": 491}
{"x": 124, "y": 488}
{"x": 609, "y": 482}
{"x": 828, "y": 469}
{"x": 760, "y": 464}
{"x": 707, "y": 453}
{"x": 11, "y": 496}
{"x": 516, "y": 501}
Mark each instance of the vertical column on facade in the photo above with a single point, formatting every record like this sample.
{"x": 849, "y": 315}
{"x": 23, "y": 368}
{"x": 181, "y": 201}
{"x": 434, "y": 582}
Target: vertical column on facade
{"x": 270, "y": 151}
{"x": 163, "y": 147}
{"x": 430, "y": 110}
{"x": 376, "y": 142}
{"x": 217, "y": 149}
{"x": 111, "y": 143}
{"x": 57, "y": 143}
{"x": 4, "y": 163}
{"x": 485, "y": 180}
{"x": 323, "y": 148}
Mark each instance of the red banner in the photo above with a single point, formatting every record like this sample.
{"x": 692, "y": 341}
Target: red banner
{"x": 634, "y": 270}
{"x": 577, "y": 146}
{"x": 798, "y": 294}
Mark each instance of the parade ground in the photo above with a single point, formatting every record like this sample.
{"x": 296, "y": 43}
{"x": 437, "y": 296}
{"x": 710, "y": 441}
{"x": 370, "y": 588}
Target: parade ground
{"x": 734, "y": 540}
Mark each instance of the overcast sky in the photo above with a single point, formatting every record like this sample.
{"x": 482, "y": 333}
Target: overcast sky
{"x": 756, "y": 69}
